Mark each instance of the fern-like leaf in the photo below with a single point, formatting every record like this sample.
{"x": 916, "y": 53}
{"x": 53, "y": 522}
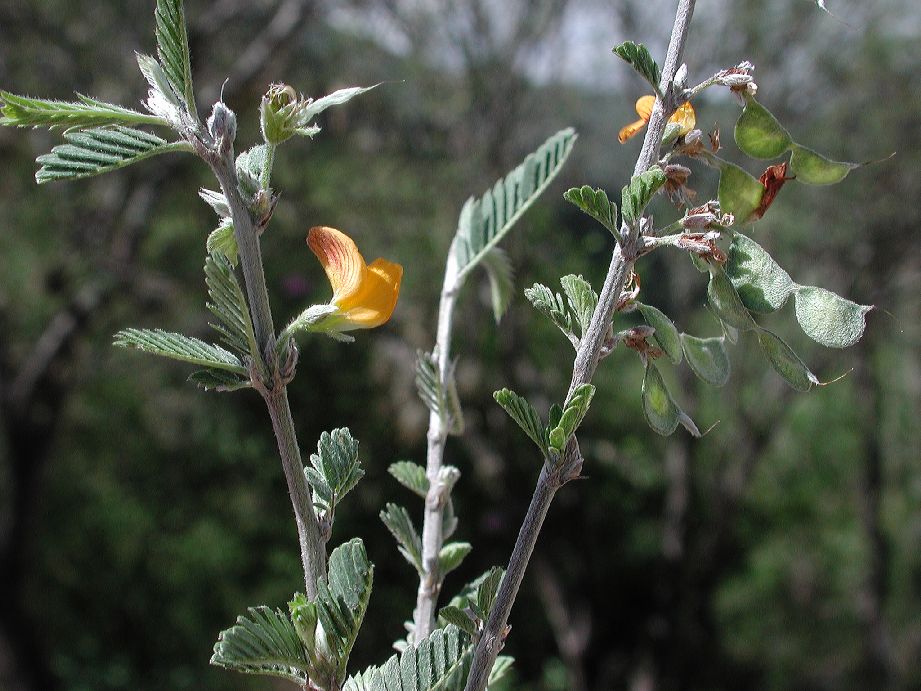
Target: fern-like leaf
{"x": 411, "y": 476}
{"x": 524, "y": 414}
{"x": 173, "y": 49}
{"x": 265, "y": 642}
{"x": 439, "y": 397}
{"x": 23, "y": 111}
{"x": 400, "y": 525}
{"x": 228, "y": 304}
{"x": 501, "y": 280}
{"x": 179, "y": 347}
{"x": 486, "y": 220}
{"x": 102, "y": 150}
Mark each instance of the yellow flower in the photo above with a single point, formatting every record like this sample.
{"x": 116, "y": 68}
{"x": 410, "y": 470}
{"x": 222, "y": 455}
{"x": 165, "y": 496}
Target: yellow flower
{"x": 366, "y": 294}
{"x": 684, "y": 117}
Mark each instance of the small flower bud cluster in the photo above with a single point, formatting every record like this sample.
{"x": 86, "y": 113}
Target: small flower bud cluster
{"x": 283, "y": 114}
{"x": 706, "y": 216}
{"x": 739, "y": 80}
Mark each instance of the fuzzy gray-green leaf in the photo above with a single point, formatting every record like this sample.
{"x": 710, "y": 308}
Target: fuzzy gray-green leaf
{"x": 411, "y": 476}
{"x": 524, "y": 414}
{"x": 828, "y": 318}
{"x": 223, "y": 241}
{"x": 762, "y": 285}
{"x": 637, "y": 56}
{"x": 666, "y": 334}
{"x": 400, "y": 525}
{"x": 787, "y": 363}
{"x": 451, "y": 556}
{"x": 707, "y": 358}
{"x": 582, "y": 299}
{"x": 336, "y": 463}
{"x": 179, "y": 347}
{"x": 173, "y": 49}
{"x": 501, "y": 280}
{"x": 264, "y": 642}
{"x": 23, "y": 111}
{"x": 573, "y": 413}
{"x": 551, "y": 305}
{"x": 596, "y": 204}
{"x": 229, "y": 305}
{"x": 87, "y": 153}
{"x": 637, "y": 195}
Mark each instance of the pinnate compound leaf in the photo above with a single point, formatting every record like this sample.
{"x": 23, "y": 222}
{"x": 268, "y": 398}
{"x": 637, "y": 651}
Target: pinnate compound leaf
{"x": 400, "y": 525}
{"x": 551, "y": 305}
{"x": 173, "y": 49}
{"x": 828, "y": 318}
{"x": 763, "y": 286}
{"x": 739, "y": 193}
{"x": 229, "y": 305}
{"x": 437, "y": 663}
{"x": 501, "y": 280}
{"x": 439, "y": 397}
{"x": 638, "y": 57}
{"x": 335, "y": 468}
{"x": 814, "y": 169}
{"x": 411, "y": 475}
{"x": 264, "y": 642}
{"x": 707, "y": 358}
{"x": 573, "y": 414}
{"x": 485, "y": 221}
{"x": 342, "y": 599}
{"x": 727, "y": 304}
{"x": 786, "y": 362}
{"x": 459, "y": 618}
{"x": 596, "y": 204}
{"x": 524, "y": 414}
{"x": 759, "y": 134}
{"x": 87, "y": 153}
{"x": 637, "y": 195}
{"x": 451, "y": 556}
{"x": 666, "y": 334}
{"x": 223, "y": 241}
{"x": 179, "y": 347}
{"x": 582, "y": 299}
{"x": 660, "y": 409}
{"x": 23, "y": 111}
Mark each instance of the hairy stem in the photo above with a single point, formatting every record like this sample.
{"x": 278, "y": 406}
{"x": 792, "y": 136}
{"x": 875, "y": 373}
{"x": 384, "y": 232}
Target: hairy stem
{"x": 274, "y": 391}
{"x": 436, "y": 499}
{"x": 586, "y": 361}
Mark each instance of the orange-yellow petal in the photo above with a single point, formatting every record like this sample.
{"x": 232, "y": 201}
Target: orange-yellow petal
{"x": 685, "y": 117}
{"x": 340, "y": 258}
{"x": 376, "y": 298}
{"x": 644, "y": 109}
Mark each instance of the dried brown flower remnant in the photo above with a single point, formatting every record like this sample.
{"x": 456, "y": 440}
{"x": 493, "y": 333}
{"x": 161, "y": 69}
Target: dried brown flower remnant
{"x": 773, "y": 179}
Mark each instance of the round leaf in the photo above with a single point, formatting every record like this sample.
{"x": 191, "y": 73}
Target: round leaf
{"x": 763, "y": 286}
{"x": 829, "y": 319}
{"x": 815, "y": 169}
{"x": 707, "y": 358}
{"x": 786, "y": 362}
{"x": 758, "y": 133}
{"x": 661, "y": 412}
{"x": 666, "y": 334}
{"x": 727, "y": 304}
{"x": 739, "y": 193}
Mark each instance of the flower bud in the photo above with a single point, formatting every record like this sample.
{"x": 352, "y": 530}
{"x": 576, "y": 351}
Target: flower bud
{"x": 279, "y": 106}
{"x": 222, "y": 125}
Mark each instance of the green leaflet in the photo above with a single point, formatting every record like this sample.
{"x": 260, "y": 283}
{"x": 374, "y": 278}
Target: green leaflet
{"x": 661, "y": 411}
{"x": 828, "y": 318}
{"x": 439, "y": 397}
{"x": 411, "y": 476}
{"x": 739, "y": 193}
{"x": 87, "y": 153}
{"x": 758, "y": 134}
{"x": 23, "y": 111}
{"x": 727, "y": 304}
{"x": 438, "y": 662}
{"x": 786, "y": 362}
{"x": 637, "y": 195}
{"x": 763, "y": 286}
{"x": 400, "y": 525}
{"x": 524, "y": 414}
{"x": 666, "y": 334}
{"x": 223, "y": 241}
{"x": 552, "y": 306}
{"x": 229, "y": 305}
{"x": 173, "y": 49}
{"x": 179, "y": 347}
{"x": 707, "y": 358}
{"x": 485, "y": 221}
{"x": 573, "y": 414}
{"x": 501, "y": 280}
{"x": 451, "y": 556}
{"x": 814, "y": 169}
{"x": 334, "y": 470}
{"x": 264, "y": 642}
{"x": 639, "y": 58}
{"x": 596, "y": 204}
{"x": 581, "y": 298}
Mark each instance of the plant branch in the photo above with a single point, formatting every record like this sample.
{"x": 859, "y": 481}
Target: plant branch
{"x": 436, "y": 499}
{"x": 552, "y": 477}
{"x": 274, "y": 391}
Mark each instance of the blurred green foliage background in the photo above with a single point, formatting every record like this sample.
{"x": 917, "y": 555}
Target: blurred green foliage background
{"x": 139, "y": 516}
